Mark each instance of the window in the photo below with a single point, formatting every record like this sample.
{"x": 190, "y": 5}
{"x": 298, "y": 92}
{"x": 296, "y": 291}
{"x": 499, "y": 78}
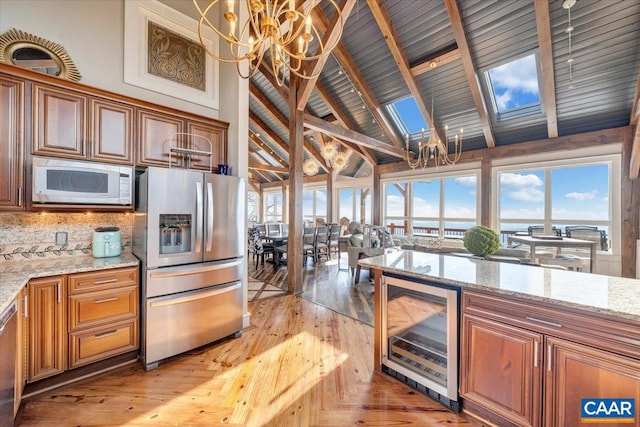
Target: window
{"x": 514, "y": 88}
{"x": 565, "y": 193}
{"x": 252, "y": 207}
{"x": 440, "y": 207}
{"x": 273, "y": 207}
{"x": 407, "y": 117}
{"x": 355, "y": 204}
{"x": 314, "y": 205}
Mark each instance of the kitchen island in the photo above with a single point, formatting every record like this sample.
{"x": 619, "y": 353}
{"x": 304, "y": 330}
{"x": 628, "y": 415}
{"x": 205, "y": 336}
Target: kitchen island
{"x": 534, "y": 342}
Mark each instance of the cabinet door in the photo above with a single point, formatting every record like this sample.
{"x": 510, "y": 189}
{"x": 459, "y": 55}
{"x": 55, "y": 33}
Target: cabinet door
{"x": 575, "y": 372}
{"x": 59, "y": 123}
{"x": 217, "y": 135}
{"x": 501, "y": 372}
{"x": 155, "y": 134}
{"x": 12, "y": 146}
{"x": 47, "y": 327}
{"x": 111, "y": 132}
{"x": 20, "y": 347}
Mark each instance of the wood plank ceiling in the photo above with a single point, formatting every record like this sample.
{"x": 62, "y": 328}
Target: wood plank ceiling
{"x": 437, "y": 51}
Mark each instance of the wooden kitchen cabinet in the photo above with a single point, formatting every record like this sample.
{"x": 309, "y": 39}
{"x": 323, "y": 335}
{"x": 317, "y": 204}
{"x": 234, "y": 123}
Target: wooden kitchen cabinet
{"x": 12, "y": 171}
{"x": 576, "y": 371}
{"x": 47, "y": 327}
{"x": 158, "y": 132}
{"x": 20, "y": 376}
{"x": 529, "y": 363}
{"x": 74, "y": 125}
{"x": 78, "y": 319}
{"x": 502, "y": 369}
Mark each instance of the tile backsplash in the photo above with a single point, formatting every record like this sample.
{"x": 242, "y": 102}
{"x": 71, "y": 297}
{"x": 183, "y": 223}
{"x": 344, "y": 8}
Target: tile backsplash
{"x": 33, "y": 235}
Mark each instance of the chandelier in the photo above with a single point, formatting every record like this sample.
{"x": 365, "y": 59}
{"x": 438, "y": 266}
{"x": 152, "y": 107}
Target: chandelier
{"x": 434, "y": 149}
{"x": 329, "y": 150}
{"x": 339, "y": 161}
{"x": 310, "y": 168}
{"x": 273, "y": 26}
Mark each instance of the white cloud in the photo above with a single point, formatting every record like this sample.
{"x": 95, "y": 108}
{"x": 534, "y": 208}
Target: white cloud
{"x": 467, "y": 181}
{"x": 395, "y": 206}
{"x": 424, "y": 209}
{"x": 520, "y": 75}
{"x": 522, "y": 187}
{"x": 579, "y": 197}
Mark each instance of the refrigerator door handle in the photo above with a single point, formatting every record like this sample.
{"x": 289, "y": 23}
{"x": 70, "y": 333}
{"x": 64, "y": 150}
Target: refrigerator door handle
{"x": 189, "y": 271}
{"x": 199, "y": 218}
{"x": 209, "y": 216}
{"x": 197, "y": 295}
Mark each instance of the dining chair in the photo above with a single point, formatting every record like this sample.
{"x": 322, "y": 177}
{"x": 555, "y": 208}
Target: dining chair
{"x": 321, "y": 247}
{"x": 334, "y": 234}
{"x": 585, "y": 232}
{"x": 308, "y": 244}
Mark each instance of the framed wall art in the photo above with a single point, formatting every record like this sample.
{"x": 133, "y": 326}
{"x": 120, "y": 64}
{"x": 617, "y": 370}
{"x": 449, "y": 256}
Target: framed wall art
{"x": 162, "y": 53}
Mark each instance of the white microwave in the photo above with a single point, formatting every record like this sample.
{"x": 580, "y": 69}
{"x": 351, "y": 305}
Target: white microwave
{"x": 77, "y": 182}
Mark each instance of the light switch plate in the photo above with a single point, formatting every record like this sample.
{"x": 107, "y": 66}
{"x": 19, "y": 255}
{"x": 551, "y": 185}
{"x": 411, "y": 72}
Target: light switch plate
{"x": 61, "y": 238}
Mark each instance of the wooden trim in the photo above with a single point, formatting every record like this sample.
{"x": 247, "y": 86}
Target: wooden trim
{"x": 629, "y": 209}
{"x": 543, "y": 23}
{"x": 256, "y": 140}
{"x": 261, "y": 167}
{"x": 485, "y": 191}
{"x": 296, "y": 158}
{"x": 455, "y": 16}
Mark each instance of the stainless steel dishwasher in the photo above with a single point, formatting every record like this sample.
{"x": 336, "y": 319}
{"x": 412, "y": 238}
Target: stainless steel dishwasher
{"x": 8, "y": 327}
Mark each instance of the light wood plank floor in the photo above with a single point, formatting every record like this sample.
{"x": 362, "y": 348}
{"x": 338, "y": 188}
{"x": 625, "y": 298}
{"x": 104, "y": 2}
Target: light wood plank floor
{"x": 327, "y": 285}
{"x": 298, "y": 364}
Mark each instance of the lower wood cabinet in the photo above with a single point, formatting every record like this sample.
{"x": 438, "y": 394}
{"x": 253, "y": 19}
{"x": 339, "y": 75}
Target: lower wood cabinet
{"x": 77, "y": 319}
{"x": 526, "y": 364}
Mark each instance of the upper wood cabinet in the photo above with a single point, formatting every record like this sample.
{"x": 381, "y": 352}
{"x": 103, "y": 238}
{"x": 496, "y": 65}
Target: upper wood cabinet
{"x": 74, "y": 125}
{"x": 12, "y": 144}
{"x": 159, "y": 131}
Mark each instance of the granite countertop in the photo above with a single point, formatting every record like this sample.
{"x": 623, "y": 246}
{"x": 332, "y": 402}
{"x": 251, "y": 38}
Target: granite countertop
{"x": 616, "y": 296}
{"x": 14, "y": 275}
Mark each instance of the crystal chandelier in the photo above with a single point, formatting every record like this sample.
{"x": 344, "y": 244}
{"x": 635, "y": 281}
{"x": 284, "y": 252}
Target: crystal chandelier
{"x": 275, "y": 26}
{"x": 434, "y": 149}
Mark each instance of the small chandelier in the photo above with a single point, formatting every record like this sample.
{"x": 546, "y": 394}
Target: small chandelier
{"x": 310, "y": 168}
{"x": 272, "y": 25}
{"x": 434, "y": 149}
{"x": 329, "y": 150}
{"x": 339, "y": 161}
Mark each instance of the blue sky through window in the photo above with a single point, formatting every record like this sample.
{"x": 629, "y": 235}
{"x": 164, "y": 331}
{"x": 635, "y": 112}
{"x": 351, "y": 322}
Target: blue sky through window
{"x": 410, "y": 115}
{"x": 515, "y": 84}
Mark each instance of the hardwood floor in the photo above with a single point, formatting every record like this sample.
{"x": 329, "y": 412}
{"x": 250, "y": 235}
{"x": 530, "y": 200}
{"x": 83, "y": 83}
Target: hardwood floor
{"x": 327, "y": 285}
{"x": 298, "y": 364}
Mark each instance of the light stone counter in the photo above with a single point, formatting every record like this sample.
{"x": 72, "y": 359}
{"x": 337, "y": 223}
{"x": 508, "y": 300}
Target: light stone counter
{"x": 610, "y": 295}
{"x": 14, "y": 275}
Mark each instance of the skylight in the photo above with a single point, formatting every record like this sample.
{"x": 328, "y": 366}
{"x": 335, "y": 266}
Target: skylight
{"x": 407, "y": 116}
{"x": 515, "y": 88}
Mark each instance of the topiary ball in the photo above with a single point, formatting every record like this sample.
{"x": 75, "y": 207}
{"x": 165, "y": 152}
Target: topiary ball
{"x": 481, "y": 240}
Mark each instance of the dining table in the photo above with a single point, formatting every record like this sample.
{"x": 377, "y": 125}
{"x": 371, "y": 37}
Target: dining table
{"x": 277, "y": 240}
{"x": 558, "y": 242}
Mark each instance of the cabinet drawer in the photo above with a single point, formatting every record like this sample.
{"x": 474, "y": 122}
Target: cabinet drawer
{"x": 95, "y": 308}
{"x": 101, "y": 343}
{"x": 105, "y": 279}
{"x": 618, "y": 335}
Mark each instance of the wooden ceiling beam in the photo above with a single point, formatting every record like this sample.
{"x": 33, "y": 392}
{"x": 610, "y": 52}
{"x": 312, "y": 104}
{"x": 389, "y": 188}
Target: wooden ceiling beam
{"x": 332, "y": 34}
{"x": 390, "y": 35}
{"x": 343, "y": 120}
{"x": 267, "y": 130}
{"x": 353, "y": 73}
{"x": 339, "y": 132}
{"x": 284, "y": 122}
{"x": 435, "y": 61}
{"x": 255, "y": 185}
{"x": 469, "y": 68}
{"x": 260, "y": 167}
{"x": 543, "y": 23}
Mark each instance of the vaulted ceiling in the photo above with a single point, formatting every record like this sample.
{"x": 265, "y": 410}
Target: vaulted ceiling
{"x": 437, "y": 52}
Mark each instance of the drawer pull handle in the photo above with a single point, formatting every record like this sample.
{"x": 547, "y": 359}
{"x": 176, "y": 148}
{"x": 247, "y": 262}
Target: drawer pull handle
{"x": 100, "y": 301}
{"x": 105, "y": 281}
{"x": 546, "y": 322}
{"x": 106, "y": 334}
{"x": 535, "y": 354}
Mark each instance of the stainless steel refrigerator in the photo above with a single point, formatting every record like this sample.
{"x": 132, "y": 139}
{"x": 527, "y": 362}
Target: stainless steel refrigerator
{"x": 189, "y": 235}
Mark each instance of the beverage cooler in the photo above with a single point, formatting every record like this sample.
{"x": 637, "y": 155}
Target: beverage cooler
{"x": 420, "y": 336}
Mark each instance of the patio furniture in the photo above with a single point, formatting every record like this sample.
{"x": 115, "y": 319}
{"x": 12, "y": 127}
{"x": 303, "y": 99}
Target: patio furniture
{"x": 589, "y": 233}
{"x": 557, "y": 242}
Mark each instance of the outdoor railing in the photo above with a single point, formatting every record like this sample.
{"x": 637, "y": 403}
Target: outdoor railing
{"x": 400, "y": 230}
